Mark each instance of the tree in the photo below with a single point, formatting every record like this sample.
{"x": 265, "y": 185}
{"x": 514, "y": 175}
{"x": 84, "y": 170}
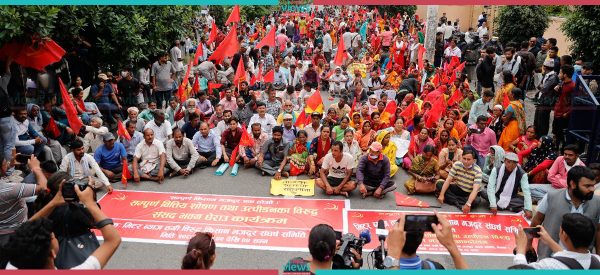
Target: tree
{"x": 583, "y": 29}
{"x": 393, "y": 10}
{"x": 519, "y": 23}
{"x": 252, "y": 12}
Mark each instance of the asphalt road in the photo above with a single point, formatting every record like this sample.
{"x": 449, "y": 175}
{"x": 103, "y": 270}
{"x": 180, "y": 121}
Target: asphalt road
{"x": 133, "y": 255}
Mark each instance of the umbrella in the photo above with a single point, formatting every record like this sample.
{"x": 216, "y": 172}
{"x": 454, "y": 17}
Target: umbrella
{"x": 35, "y": 55}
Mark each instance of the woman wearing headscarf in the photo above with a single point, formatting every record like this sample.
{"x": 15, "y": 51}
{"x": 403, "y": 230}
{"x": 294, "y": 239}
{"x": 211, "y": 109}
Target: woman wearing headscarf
{"x": 417, "y": 144}
{"x": 494, "y": 159}
{"x": 516, "y": 108}
{"x": 356, "y": 120}
{"x": 496, "y": 123}
{"x": 298, "y": 155}
{"x": 319, "y": 147}
{"x": 424, "y": 168}
{"x": 448, "y": 156}
{"x": 389, "y": 150}
{"x": 540, "y": 160}
{"x": 365, "y": 136}
{"x": 510, "y": 132}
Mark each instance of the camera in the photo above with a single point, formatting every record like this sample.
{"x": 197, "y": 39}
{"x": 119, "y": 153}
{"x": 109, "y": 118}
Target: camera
{"x": 68, "y": 189}
{"x": 343, "y": 257}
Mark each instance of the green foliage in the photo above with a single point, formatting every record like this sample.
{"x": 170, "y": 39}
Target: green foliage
{"x": 393, "y": 10}
{"x": 558, "y": 10}
{"x": 220, "y": 14}
{"x": 583, "y": 29}
{"x": 519, "y": 23}
{"x": 252, "y": 12}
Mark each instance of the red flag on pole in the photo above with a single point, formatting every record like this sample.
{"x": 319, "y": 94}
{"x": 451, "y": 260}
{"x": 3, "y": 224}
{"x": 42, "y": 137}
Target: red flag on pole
{"x": 256, "y": 77}
{"x": 125, "y": 174}
{"x": 455, "y": 98}
{"x": 227, "y": 48}
{"x": 196, "y": 87}
{"x": 213, "y": 34}
{"x": 246, "y": 139}
{"x": 240, "y": 74}
{"x": 268, "y": 40}
{"x": 435, "y": 113}
{"x": 199, "y": 52}
{"x": 234, "y": 17}
{"x": 342, "y": 54}
{"x": 74, "y": 121}
{"x": 301, "y": 120}
{"x": 389, "y": 111}
{"x": 409, "y": 113}
{"x": 212, "y": 86}
{"x": 184, "y": 83}
{"x": 269, "y": 76}
{"x": 454, "y": 61}
{"x": 122, "y": 131}
{"x": 52, "y": 128}
{"x": 234, "y": 156}
{"x": 421, "y": 53}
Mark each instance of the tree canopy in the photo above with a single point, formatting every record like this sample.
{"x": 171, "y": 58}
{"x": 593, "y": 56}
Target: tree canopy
{"x": 519, "y": 23}
{"x": 583, "y": 29}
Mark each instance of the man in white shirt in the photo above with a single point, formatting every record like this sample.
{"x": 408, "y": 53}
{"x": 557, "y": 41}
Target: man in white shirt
{"x": 327, "y": 46}
{"x": 452, "y": 51}
{"x": 81, "y": 166}
{"x": 28, "y": 141}
{"x": 335, "y": 171}
{"x": 337, "y": 82}
{"x": 266, "y": 121}
{"x": 347, "y": 36}
{"x": 295, "y": 77}
{"x": 280, "y": 78}
{"x": 177, "y": 59}
{"x": 181, "y": 152}
{"x": 448, "y": 29}
{"x": 149, "y": 159}
{"x": 161, "y": 127}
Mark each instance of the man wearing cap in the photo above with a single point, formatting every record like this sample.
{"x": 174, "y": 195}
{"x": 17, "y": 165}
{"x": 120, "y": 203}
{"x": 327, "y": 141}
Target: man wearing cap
{"x": 161, "y": 127}
{"x": 545, "y": 99}
{"x": 95, "y": 132}
{"x": 110, "y": 157}
{"x": 372, "y": 104}
{"x": 373, "y": 173}
{"x": 267, "y": 121}
{"x": 289, "y": 130}
{"x": 337, "y": 82}
{"x": 181, "y": 152}
{"x": 80, "y": 165}
{"x": 101, "y": 93}
{"x": 272, "y": 154}
{"x": 504, "y": 185}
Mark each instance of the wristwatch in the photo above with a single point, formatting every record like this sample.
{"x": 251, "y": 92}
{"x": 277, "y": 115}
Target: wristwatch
{"x": 389, "y": 262}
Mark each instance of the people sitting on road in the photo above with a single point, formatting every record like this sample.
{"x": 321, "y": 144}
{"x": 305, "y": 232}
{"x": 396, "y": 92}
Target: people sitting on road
{"x": 111, "y": 157}
{"x": 461, "y": 187}
{"x": 423, "y": 172}
{"x": 149, "y": 159}
{"x": 335, "y": 172}
{"x": 373, "y": 173}
{"x": 181, "y": 154}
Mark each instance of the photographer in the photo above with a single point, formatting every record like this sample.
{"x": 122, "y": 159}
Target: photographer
{"x": 35, "y": 246}
{"x": 322, "y": 246}
{"x": 402, "y": 246}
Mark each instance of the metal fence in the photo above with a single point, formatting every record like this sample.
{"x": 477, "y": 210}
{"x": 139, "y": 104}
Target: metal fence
{"x": 584, "y": 124}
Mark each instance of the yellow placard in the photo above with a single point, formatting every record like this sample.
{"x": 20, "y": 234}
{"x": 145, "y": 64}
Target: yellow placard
{"x": 304, "y": 188}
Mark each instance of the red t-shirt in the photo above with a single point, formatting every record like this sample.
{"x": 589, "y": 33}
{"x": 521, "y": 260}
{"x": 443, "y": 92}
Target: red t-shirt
{"x": 563, "y": 106}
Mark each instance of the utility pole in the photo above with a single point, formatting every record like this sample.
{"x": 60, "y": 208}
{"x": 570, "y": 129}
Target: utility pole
{"x": 430, "y": 30}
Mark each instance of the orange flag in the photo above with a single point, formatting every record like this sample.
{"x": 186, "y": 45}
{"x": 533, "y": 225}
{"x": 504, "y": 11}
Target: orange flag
{"x": 505, "y": 101}
{"x": 184, "y": 83}
{"x": 234, "y": 17}
{"x": 196, "y": 87}
{"x": 421, "y": 53}
{"x": 246, "y": 139}
{"x": 388, "y": 112}
{"x": 342, "y": 54}
{"x": 125, "y": 174}
{"x": 268, "y": 40}
{"x": 74, "y": 121}
{"x": 256, "y": 77}
{"x": 52, "y": 128}
{"x": 213, "y": 34}
{"x": 352, "y": 108}
{"x": 122, "y": 131}
{"x": 199, "y": 52}
{"x": 233, "y": 156}
{"x": 269, "y": 76}
{"x": 227, "y": 48}
{"x": 314, "y": 103}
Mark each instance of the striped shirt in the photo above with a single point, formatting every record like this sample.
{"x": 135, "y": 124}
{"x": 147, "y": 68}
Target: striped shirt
{"x": 465, "y": 178}
{"x": 13, "y": 211}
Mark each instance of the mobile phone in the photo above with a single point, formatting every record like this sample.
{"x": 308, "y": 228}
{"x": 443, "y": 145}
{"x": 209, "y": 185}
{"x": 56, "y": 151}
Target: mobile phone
{"x": 338, "y": 235}
{"x": 419, "y": 223}
{"x": 68, "y": 189}
{"x": 532, "y": 232}
{"x": 21, "y": 158}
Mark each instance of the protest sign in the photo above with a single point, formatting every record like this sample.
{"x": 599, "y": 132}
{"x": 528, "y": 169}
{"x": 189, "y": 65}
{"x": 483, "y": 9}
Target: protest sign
{"x": 289, "y": 187}
{"x": 235, "y": 221}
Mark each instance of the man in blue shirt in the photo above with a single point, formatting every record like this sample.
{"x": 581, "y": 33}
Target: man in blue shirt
{"x": 111, "y": 157}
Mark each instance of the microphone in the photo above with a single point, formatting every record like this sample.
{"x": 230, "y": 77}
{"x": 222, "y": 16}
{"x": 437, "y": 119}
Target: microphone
{"x": 365, "y": 234}
{"x": 381, "y": 231}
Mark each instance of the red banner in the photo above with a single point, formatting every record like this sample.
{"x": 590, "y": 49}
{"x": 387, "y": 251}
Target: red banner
{"x": 236, "y": 221}
{"x": 474, "y": 234}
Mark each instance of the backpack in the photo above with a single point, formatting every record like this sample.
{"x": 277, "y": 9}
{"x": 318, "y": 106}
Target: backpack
{"x": 575, "y": 265}
{"x": 522, "y": 71}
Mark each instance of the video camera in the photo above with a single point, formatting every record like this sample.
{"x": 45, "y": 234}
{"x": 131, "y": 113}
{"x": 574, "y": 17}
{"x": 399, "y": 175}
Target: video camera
{"x": 343, "y": 257}
{"x": 68, "y": 189}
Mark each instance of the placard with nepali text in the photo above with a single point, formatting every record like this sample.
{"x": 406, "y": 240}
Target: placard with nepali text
{"x": 236, "y": 221}
{"x": 474, "y": 234}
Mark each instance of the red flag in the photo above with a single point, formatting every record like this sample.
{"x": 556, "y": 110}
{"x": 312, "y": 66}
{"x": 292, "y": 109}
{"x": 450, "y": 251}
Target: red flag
{"x": 52, "y": 128}
{"x": 435, "y": 113}
{"x": 314, "y": 103}
{"x": 454, "y": 61}
{"x": 268, "y": 40}
{"x": 246, "y": 139}
{"x": 196, "y": 87}
{"x": 388, "y": 65}
{"x": 240, "y": 74}
{"x": 234, "y": 155}
{"x": 122, "y": 131}
{"x": 227, "y": 48}
{"x": 389, "y": 111}
{"x": 256, "y": 77}
{"x": 301, "y": 120}
{"x": 269, "y": 76}
{"x": 452, "y": 77}
{"x": 36, "y": 56}
{"x": 404, "y": 200}
{"x": 455, "y": 98}
{"x": 505, "y": 101}
{"x": 184, "y": 83}
{"x": 212, "y": 86}
{"x": 234, "y": 17}
{"x": 352, "y": 109}
{"x": 421, "y": 53}
{"x": 74, "y": 121}
{"x": 125, "y": 174}
{"x": 409, "y": 113}
{"x": 213, "y": 34}
{"x": 460, "y": 67}
{"x": 199, "y": 52}
{"x": 342, "y": 54}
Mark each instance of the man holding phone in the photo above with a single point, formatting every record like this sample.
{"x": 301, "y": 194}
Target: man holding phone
{"x": 461, "y": 188}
